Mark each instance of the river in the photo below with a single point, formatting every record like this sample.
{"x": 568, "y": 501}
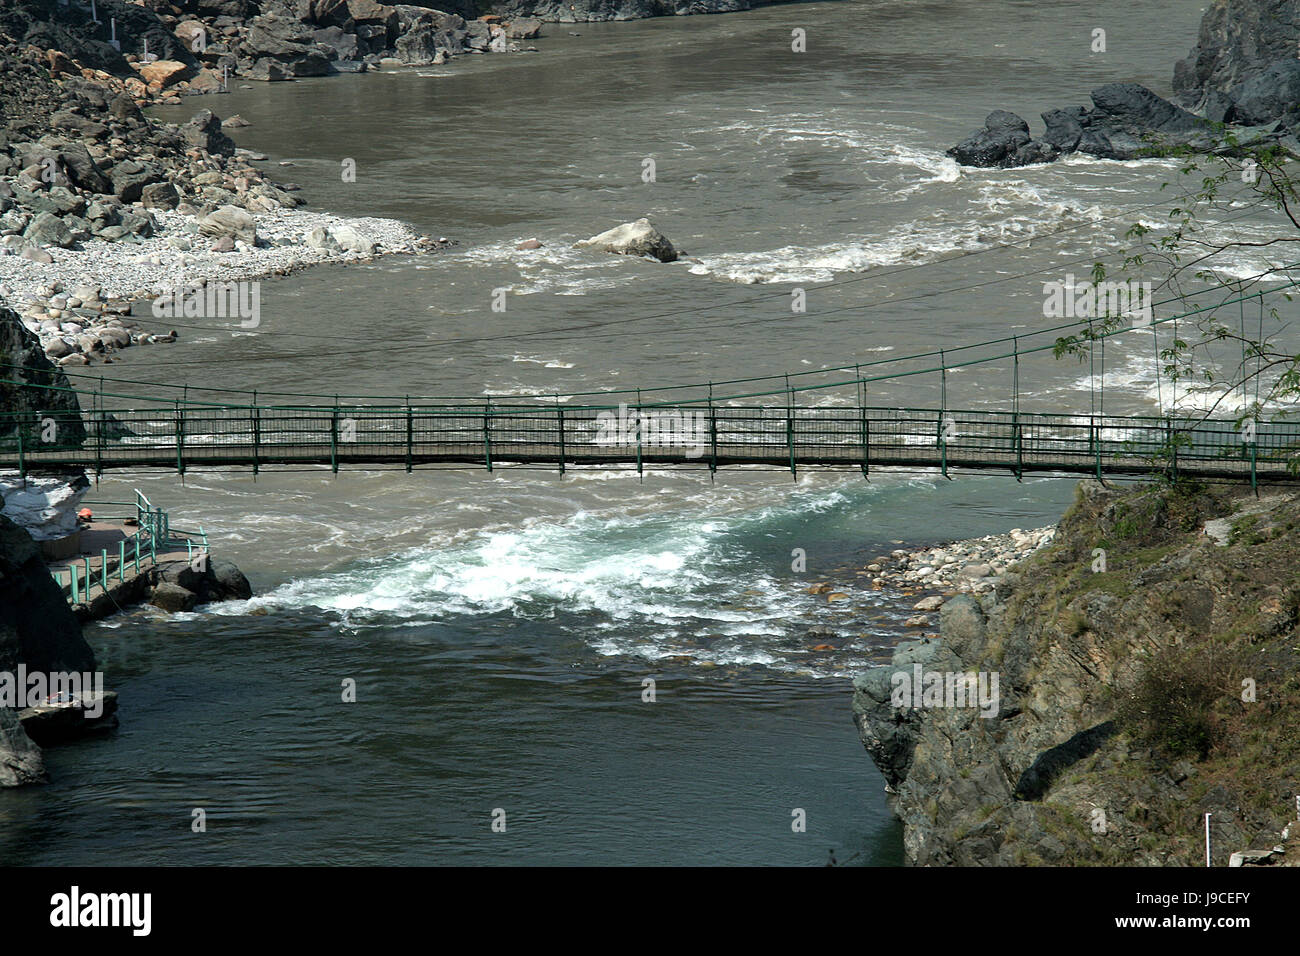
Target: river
{"x": 500, "y": 627}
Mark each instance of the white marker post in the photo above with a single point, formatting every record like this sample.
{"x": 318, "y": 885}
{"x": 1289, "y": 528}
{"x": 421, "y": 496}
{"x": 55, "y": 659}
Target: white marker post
{"x": 1207, "y": 838}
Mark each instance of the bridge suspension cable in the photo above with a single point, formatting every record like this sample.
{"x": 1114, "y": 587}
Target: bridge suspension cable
{"x": 786, "y": 385}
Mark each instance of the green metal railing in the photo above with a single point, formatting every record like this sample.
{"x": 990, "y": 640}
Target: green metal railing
{"x": 704, "y": 434}
{"x": 154, "y": 534}
{"x": 788, "y": 426}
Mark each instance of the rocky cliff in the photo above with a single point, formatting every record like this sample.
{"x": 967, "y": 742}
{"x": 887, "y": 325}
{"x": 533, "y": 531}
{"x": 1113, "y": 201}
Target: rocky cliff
{"x": 1146, "y": 669}
{"x": 1245, "y": 64}
{"x": 38, "y": 631}
{"x": 37, "y": 627}
{"x": 31, "y": 387}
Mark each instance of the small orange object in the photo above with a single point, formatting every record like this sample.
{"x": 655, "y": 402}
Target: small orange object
{"x": 85, "y": 514}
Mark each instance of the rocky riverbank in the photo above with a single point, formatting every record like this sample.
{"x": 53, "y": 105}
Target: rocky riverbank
{"x": 159, "y": 50}
{"x": 100, "y": 205}
{"x": 1242, "y": 74}
{"x": 1143, "y": 669}
{"x": 939, "y": 573}
{"x": 80, "y": 302}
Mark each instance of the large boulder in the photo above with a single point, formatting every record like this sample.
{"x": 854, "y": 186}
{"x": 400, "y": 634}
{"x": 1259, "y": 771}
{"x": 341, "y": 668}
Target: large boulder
{"x": 368, "y": 11}
{"x": 204, "y": 131}
{"x": 172, "y": 597}
{"x": 1065, "y": 128}
{"x": 130, "y": 177}
{"x": 638, "y": 238}
{"x": 82, "y": 169}
{"x": 181, "y": 585}
{"x": 525, "y": 28}
{"x": 1134, "y": 109}
{"x": 419, "y": 46}
{"x": 289, "y": 43}
{"x": 999, "y": 143}
{"x": 160, "y": 74}
{"x": 48, "y": 229}
{"x": 349, "y": 240}
{"x": 330, "y": 13}
{"x": 229, "y": 580}
{"x": 160, "y": 196}
{"x": 343, "y": 45}
{"x": 230, "y": 221}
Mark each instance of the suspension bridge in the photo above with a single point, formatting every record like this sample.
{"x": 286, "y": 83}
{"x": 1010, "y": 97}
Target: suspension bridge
{"x": 833, "y": 422}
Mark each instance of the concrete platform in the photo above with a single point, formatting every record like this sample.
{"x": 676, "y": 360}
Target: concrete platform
{"x": 126, "y": 585}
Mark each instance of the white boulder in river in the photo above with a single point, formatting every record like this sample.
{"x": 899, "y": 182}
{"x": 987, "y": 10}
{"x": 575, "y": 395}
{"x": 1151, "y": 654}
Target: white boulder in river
{"x": 638, "y": 238}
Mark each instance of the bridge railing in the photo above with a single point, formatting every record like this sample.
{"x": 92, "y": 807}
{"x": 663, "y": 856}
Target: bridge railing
{"x": 154, "y": 534}
{"x": 701, "y": 433}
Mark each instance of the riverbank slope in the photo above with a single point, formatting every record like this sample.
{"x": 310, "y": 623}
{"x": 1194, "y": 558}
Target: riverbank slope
{"x": 1147, "y": 670}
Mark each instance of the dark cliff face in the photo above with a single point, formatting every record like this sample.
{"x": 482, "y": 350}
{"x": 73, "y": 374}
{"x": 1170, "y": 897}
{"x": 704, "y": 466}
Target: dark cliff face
{"x": 1245, "y": 55}
{"x": 37, "y": 628}
{"x": 1147, "y": 675}
{"x": 34, "y": 388}
{"x": 1237, "y": 39}
{"x": 37, "y": 631}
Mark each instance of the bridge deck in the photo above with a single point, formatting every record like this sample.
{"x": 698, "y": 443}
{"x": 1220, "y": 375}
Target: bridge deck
{"x": 717, "y": 436}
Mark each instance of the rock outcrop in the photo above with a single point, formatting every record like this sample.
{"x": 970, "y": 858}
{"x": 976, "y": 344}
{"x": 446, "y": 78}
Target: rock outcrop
{"x": 37, "y": 631}
{"x": 20, "y": 759}
{"x": 1243, "y": 68}
{"x": 44, "y": 397}
{"x": 179, "y": 586}
{"x": 1126, "y": 121}
{"x": 37, "y": 628}
{"x": 1146, "y": 674}
{"x": 638, "y": 238}
{"x": 1243, "y": 72}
